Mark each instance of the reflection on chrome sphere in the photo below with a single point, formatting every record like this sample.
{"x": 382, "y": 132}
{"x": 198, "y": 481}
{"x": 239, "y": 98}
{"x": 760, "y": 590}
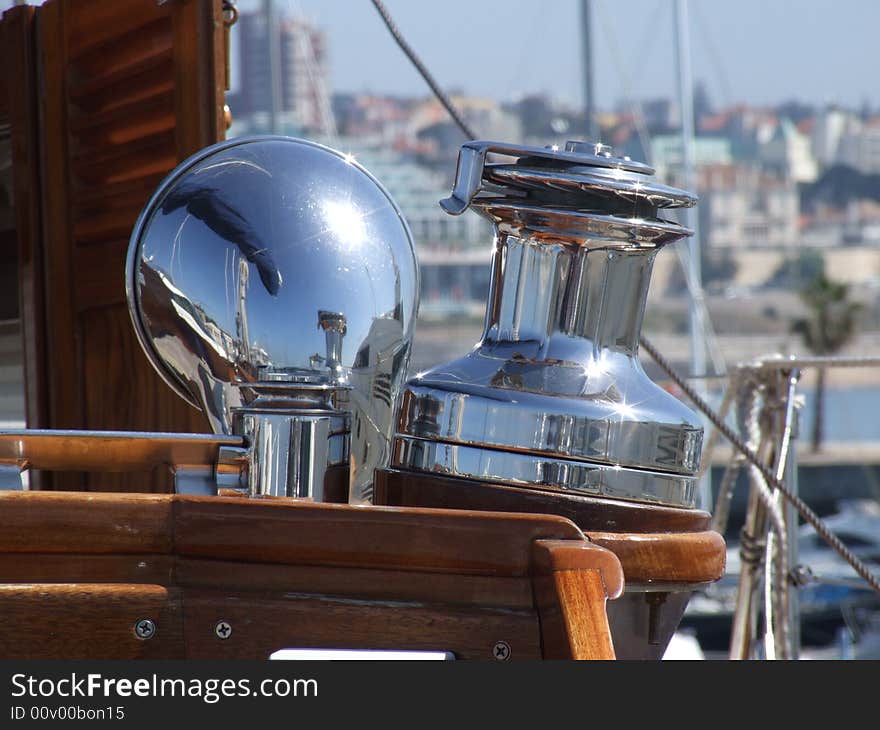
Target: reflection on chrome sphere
{"x": 275, "y": 262}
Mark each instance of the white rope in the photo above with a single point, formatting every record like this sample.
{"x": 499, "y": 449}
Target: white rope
{"x": 776, "y": 642}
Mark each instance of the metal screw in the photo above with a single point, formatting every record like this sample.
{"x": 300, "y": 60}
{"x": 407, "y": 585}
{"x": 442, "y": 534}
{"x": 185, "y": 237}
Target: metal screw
{"x": 145, "y": 628}
{"x": 501, "y": 651}
{"x": 223, "y": 630}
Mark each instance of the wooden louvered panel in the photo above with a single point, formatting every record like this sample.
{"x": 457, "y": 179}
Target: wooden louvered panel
{"x": 105, "y": 213}
{"x": 97, "y": 22}
{"x": 137, "y": 81}
{"x": 123, "y": 50}
{"x": 130, "y": 89}
{"x": 124, "y": 162}
{"x": 122, "y": 126}
{"x": 126, "y": 195}
{"x": 100, "y": 280}
{"x": 87, "y": 199}
{"x": 126, "y": 122}
{"x": 107, "y": 225}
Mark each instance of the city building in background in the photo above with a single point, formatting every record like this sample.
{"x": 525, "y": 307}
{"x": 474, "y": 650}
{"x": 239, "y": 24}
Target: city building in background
{"x": 778, "y": 185}
{"x": 301, "y": 86}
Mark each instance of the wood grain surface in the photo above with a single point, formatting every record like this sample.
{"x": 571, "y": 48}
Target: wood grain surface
{"x": 292, "y": 573}
{"x": 573, "y": 583}
{"x": 86, "y": 621}
{"x": 667, "y": 557}
{"x": 654, "y": 543}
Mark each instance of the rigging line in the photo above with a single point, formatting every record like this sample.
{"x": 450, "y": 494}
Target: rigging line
{"x": 525, "y": 55}
{"x": 696, "y": 294}
{"x": 819, "y": 361}
{"x": 694, "y": 290}
{"x": 420, "y": 67}
{"x": 773, "y": 556}
{"x": 736, "y": 441}
{"x": 733, "y": 386}
{"x": 626, "y": 81}
{"x": 319, "y": 88}
{"x": 802, "y": 507}
{"x": 712, "y": 49}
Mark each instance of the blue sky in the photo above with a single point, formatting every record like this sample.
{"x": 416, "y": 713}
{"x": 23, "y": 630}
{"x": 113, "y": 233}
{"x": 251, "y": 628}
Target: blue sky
{"x": 754, "y": 51}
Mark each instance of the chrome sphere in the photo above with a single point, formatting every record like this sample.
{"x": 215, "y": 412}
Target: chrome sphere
{"x": 273, "y": 261}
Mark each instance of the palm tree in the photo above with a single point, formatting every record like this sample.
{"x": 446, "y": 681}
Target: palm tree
{"x": 830, "y": 324}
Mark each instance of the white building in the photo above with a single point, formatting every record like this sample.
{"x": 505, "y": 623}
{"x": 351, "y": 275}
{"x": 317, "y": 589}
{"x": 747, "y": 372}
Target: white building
{"x": 829, "y": 127}
{"x": 741, "y": 207}
{"x": 860, "y": 147}
{"x": 302, "y": 85}
{"x": 788, "y": 153}
{"x": 667, "y": 158}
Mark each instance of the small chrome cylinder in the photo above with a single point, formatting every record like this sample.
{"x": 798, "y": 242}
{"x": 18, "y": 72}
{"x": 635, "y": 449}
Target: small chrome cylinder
{"x": 294, "y": 437}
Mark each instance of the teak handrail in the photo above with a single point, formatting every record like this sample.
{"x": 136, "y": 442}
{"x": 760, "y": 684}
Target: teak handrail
{"x": 79, "y": 571}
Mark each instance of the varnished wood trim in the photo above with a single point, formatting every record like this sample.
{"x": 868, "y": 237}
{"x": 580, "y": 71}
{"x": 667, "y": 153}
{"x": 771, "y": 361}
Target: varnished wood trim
{"x": 200, "y": 75}
{"x": 87, "y": 568}
{"x": 685, "y": 557}
{"x": 84, "y": 621}
{"x": 552, "y": 556}
{"x": 445, "y": 540}
{"x": 275, "y": 531}
{"x": 102, "y": 22}
{"x": 263, "y": 624}
{"x": 289, "y": 573}
{"x": 366, "y": 583}
{"x": 77, "y": 522}
{"x": 572, "y": 585}
{"x": 170, "y": 571}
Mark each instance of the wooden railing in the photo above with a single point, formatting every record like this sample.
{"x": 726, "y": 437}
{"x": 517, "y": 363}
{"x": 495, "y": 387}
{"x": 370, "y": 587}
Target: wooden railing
{"x": 79, "y": 572}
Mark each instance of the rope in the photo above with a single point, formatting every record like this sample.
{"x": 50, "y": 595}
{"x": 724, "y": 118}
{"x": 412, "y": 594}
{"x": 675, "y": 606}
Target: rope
{"x": 775, "y": 595}
{"x": 803, "y": 509}
{"x": 420, "y": 67}
{"x": 819, "y": 362}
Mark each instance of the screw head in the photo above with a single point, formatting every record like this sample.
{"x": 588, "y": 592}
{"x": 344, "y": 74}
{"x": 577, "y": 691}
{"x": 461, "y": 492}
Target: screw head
{"x": 501, "y": 651}
{"x": 145, "y": 628}
{"x": 223, "y": 630}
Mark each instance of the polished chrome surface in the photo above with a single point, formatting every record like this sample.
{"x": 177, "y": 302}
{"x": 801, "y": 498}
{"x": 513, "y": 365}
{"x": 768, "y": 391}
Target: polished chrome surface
{"x": 559, "y": 225}
{"x": 558, "y": 372}
{"x": 269, "y": 265}
{"x": 473, "y": 156}
{"x": 532, "y": 470}
{"x": 632, "y": 189}
{"x": 293, "y": 443}
{"x": 198, "y": 461}
{"x": 554, "y": 396}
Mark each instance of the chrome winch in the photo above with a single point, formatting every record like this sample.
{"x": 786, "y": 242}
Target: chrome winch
{"x": 553, "y": 396}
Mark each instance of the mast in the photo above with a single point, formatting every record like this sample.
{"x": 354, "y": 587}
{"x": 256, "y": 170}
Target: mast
{"x": 587, "y": 59}
{"x": 690, "y": 219}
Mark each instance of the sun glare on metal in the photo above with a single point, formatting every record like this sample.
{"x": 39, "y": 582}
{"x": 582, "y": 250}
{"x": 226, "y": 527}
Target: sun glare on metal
{"x": 345, "y": 221}
{"x": 595, "y": 368}
{"x": 624, "y": 410}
